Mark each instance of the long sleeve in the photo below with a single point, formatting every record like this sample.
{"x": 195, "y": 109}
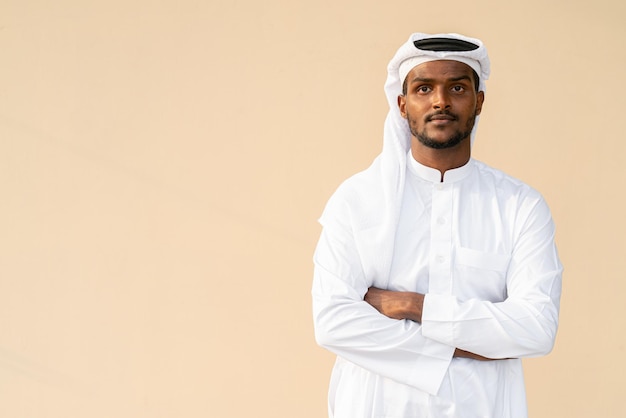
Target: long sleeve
{"x": 355, "y": 331}
{"x": 525, "y": 323}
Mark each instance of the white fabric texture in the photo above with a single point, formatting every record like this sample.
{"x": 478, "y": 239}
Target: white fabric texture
{"x": 480, "y": 245}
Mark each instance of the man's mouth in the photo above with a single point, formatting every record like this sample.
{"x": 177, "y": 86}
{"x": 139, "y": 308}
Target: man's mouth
{"x": 441, "y": 117}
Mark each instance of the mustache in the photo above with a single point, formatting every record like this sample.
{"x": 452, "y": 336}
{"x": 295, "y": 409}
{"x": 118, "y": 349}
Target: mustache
{"x": 446, "y": 113}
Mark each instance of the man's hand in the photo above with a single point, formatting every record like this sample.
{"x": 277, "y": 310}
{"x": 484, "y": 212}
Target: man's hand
{"x": 396, "y": 305}
{"x": 466, "y": 354}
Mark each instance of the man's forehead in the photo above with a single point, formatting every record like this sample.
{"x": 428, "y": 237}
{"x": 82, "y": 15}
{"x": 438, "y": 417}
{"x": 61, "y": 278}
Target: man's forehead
{"x": 441, "y": 69}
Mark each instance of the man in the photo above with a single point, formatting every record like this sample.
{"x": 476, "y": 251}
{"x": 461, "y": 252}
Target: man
{"x": 434, "y": 274}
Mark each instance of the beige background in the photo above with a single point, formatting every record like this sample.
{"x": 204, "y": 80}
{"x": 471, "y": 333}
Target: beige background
{"x": 163, "y": 164}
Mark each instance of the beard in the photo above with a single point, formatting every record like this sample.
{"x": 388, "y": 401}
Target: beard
{"x": 455, "y": 139}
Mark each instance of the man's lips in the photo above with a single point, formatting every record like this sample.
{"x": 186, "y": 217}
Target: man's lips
{"x": 441, "y": 117}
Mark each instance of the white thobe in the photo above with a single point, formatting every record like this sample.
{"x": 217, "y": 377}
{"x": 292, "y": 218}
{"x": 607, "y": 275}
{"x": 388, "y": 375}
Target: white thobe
{"x": 480, "y": 246}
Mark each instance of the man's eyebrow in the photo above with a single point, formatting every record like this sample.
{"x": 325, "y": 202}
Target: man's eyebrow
{"x": 421, "y": 79}
{"x": 459, "y": 78}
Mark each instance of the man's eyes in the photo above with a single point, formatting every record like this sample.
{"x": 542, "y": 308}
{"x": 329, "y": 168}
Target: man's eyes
{"x": 428, "y": 89}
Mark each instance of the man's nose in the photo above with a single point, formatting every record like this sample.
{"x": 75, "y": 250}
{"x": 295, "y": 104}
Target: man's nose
{"x": 441, "y": 99}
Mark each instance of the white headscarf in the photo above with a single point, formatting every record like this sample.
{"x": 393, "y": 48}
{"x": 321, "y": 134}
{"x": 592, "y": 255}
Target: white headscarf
{"x": 409, "y": 54}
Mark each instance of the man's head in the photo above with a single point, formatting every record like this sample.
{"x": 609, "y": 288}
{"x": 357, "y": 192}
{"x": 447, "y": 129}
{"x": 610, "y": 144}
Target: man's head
{"x": 441, "y": 87}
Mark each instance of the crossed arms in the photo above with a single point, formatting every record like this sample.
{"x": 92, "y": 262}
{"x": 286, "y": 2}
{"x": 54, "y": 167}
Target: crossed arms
{"x": 412, "y": 337}
{"x": 406, "y": 305}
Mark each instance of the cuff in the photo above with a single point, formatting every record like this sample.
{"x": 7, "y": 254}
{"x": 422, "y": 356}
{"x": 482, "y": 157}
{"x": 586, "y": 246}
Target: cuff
{"x": 437, "y": 318}
{"x": 431, "y": 367}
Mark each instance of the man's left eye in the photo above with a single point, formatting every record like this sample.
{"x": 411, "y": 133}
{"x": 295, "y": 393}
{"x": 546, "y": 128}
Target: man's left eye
{"x": 457, "y": 88}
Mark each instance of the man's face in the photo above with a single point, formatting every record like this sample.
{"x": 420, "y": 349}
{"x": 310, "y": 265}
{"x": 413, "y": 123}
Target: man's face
{"x": 441, "y": 103}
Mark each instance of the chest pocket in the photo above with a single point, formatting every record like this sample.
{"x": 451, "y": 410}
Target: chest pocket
{"x": 480, "y": 275}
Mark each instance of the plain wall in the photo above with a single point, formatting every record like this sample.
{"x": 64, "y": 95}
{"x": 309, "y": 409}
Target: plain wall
{"x": 163, "y": 164}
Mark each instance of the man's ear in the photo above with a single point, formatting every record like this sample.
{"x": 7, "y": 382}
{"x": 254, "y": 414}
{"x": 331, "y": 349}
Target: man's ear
{"x": 480, "y": 99}
{"x": 402, "y": 105}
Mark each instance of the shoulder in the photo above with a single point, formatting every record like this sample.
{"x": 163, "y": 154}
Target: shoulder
{"x": 513, "y": 194}
{"x": 504, "y": 183}
{"x": 357, "y": 198}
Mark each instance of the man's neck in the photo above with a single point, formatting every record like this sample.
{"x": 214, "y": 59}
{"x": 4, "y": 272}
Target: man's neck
{"x": 441, "y": 159}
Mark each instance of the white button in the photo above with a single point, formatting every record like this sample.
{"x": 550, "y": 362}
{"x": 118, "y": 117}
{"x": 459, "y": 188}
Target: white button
{"x": 440, "y": 259}
{"x": 439, "y": 186}
{"x": 441, "y": 221}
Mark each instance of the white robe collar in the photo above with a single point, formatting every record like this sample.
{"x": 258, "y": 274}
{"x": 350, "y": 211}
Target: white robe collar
{"x": 434, "y": 176}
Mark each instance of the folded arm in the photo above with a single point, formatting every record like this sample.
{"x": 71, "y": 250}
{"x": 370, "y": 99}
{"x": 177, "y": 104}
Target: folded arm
{"x": 406, "y": 305}
{"x": 350, "y": 327}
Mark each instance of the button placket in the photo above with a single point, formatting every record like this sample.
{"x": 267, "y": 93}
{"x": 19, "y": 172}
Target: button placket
{"x": 441, "y": 239}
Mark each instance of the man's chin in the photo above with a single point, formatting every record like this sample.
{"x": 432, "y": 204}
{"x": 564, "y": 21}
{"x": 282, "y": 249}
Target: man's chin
{"x": 441, "y": 143}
